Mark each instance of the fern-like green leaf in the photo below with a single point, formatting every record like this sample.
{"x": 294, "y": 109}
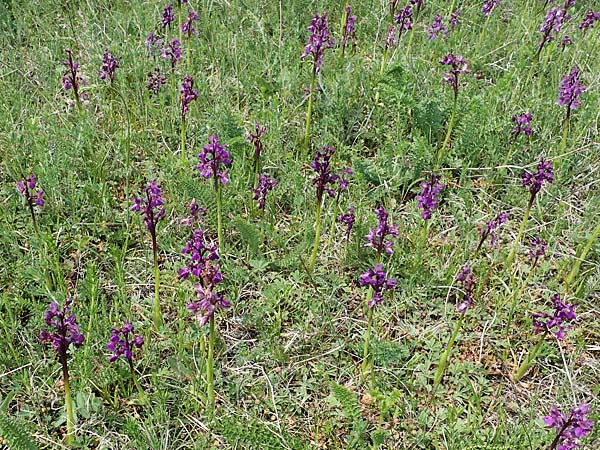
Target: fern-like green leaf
{"x": 14, "y": 434}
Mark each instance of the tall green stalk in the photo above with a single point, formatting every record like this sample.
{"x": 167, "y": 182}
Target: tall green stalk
{"x": 449, "y": 132}
{"x": 309, "y": 110}
{"x": 156, "y": 312}
{"x": 366, "y": 359}
{"x": 577, "y": 265}
{"x": 444, "y": 358}
{"x": 524, "y": 367}
{"x": 511, "y": 256}
{"x": 315, "y": 250}
{"x": 68, "y": 400}
{"x": 183, "y": 140}
{"x": 219, "y": 211}
{"x": 210, "y": 377}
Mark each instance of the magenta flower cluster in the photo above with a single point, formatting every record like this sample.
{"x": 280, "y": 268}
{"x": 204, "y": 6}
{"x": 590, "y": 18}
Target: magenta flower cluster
{"x": 122, "y": 341}
{"x": 28, "y": 189}
{"x": 65, "y": 330}
{"x": 172, "y": 52}
{"x": 209, "y": 301}
{"x": 151, "y": 206}
{"x": 563, "y": 314}
{"x": 437, "y": 28}
{"x": 489, "y": 229}
{"x": 377, "y": 279}
{"x": 570, "y": 427}
{"x": 265, "y": 185}
{"x": 428, "y": 199}
{"x": 404, "y": 19}
{"x": 72, "y": 79}
{"x": 318, "y": 41}
{"x": 522, "y": 124}
{"x": 109, "y": 66}
{"x": 155, "y": 80}
{"x": 188, "y": 95}
{"x": 382, "y": 238}
{"x": 391, "y": 40}
{"x": 214, "y": 160}
{"x": 466, "y": 278}
{"x": 256, "y": 138}
{"x": 555, "y": 18}
{"x": 453, "y": 21}
{"x": 187, "y": 27}
{"x": 349, "y": 28}
{"x": 325, "y": 178}
{"x": 488, "y": 6}
{"x": 570, "y": 90}
{"x": 535, "y": 180}
{"x": 200, "y": 251}
{"x": 196, "y": 216}
{"x": 348, "y": 219}
{"x": 589, "y": 19}
{"x": 168, "y": 16}
{"x": 154, "y": 45}
{"x": 458, "y": 66}
{"x": 537, "y": 249}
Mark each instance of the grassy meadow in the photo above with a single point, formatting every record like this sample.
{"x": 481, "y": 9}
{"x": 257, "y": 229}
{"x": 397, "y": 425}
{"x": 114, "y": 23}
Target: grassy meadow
{"x": 305, "y": 356}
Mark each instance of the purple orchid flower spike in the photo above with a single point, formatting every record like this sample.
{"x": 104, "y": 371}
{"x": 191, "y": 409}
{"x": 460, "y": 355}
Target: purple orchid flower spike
{"x": 188, "y": 95}
{"x": 318, "y": 41}
{"x": 122, "y": 342}
{"x": 522, "y": 125}
{"x": 428, "y": 199}
{"x": 349, "y": 32}
{"x": 458, "y": 66}
{"x": 489, "y": 230}
{"x": 536, "y": 180}
{"x": 467, "y": 280}
{"x": 168, "y": 16}
{"x": 570, "y": 90}
{"x": 570, "y": 427}
{"x": 437, "y": 28}
{"x": 563, "y": 314}
{"x": 214, "y": 160}
{"x": 109, "y": 67}
{"x": 155, "y": 81}
{"x": 265, "y": 185}
{"x": 348, "y": 219}
{"x": 187, "y": 27}
{"x": 382, "y": 238}
{"x": 378, "y": 280}
{"x": 64, "y": 328}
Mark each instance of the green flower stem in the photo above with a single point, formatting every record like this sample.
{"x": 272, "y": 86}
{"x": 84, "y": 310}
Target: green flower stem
{"x": 136, "y": 382}
{"x": 210, "y": 376}
{"x": 309, "y": 109}
{"x": 452, "y": 5}
{"x": 183, "y": 139}
{"x": 68, "y": 400}
{"x": 577, "y": 266}
{"x": 515, "y": 300}
{"x": 381, "y": 71}
{"x": 343, "y": 23}
{"x": 482, "y": 34}
{"x": 157, "y": 314}
{"x": 524, "y": 367}
{"x": 315, "y": 250}
{"x": 412, "y": 34}
{"x": 565, "y": 135}
{"x": 511, "y": 256}
{"x": 444, "y": 358}
{"x": 449, "y": 132}
{"x": 219, "y": 212}
{"x": 365, "y": 364}
{"x": 333, "y": 220}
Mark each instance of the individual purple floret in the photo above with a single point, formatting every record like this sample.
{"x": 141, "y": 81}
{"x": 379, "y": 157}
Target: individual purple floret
{"x": 343, "y": 180}
{"x": 196, "y": 216}
{"x": 349, "y": 29}
{"x": 537, "y": 249}
{"x": 214, "y": 160}
{"x": 570, "y": 428}
{"x": 256, "y": 138}
{"x": 522, "y": 124}
{"x": 65, "y": 330}
{"x": 383, "y": 236}
{"x": 318, "y": 41}
{"x": 187, "y": 27}
{"x": 453, "y": 21}
{"x": 554, "y": 21}
{"x": 201, "y": 251}
{"x": 377, "y": 279}
{"x": 459, "y": 65}
{"x": 188, "y": 95}
{"x": 172, "y": 52}
{"x": 436, "y": 28}
{"x": 27, "y": 188}
{"x": 122, "y": 341}
{"x": 265, "y": 185}
{"x": 72, "y": 80}
{"x": 570, "y": 90}
{"x": 154, "y": 45}
{"x": 348, "y": 219}
{"x": 488, "y": 6}
{"x": 109, "y": 66}
{"x": 536, "y": 180}
{"x": 321, "y": 164}
{"x": 489, "y": 229}
{"x": 391, "y": 40}
{"x": 588, "y": 21}
{"x": 563, "y": 313}
{"x": 155, "y": 80}
{"x": 167, "y": 16}
{"x": 404, "y": 19}
{"x": 466, "y": 278}
{"x": 151, "y": 206}
{"x": 209, "y": 300}
{"x": 566, "y": 41}
{"x": 428, "y": 199}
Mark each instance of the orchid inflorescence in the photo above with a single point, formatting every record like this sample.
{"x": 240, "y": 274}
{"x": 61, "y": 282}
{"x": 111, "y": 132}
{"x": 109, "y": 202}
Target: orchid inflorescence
{"x": 348, "y": 219}
{"x": 151, "y": 206}
{"x": 563, "y": 313}
{"x": 27, "y": 188}
{"x": 65, "y": 328}
{"x": 467, "y": 279}
{"x": 382, "y": 237}
{"x": 377, "y": 279}
{"x": 458, "y": 66}
{"x": 570, "y": 427}
{"x": 265, "y": 185}
{"x": 536, "y": 180}
{"x": 428, "y": 199}
{"x": 437, "y": 28}
{"x": 109, "y": 66}
{"x": 522, "y": 124}
{"x": 349, "y": 28}
{"x": 122, "y": 341}
{"x": 489, "y": 229}
{"x": 214, "y": 160}
{"x": 187, "y": 27}
{"x": 318, "y": 41}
